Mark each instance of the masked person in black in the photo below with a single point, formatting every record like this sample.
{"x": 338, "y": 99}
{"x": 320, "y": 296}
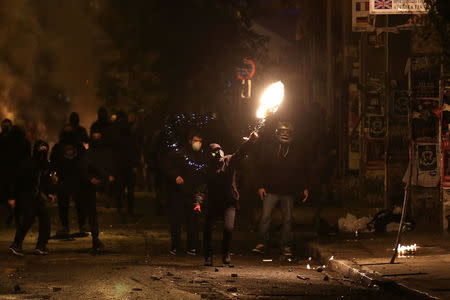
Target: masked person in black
{"x": 220, "y": 196}
{"x": 65, "y": 160}
{"x": 102, "y": 123}
{"x": 30, "y": 190}
{"x": 185, "y": 170}
{"x": 98, "y": 170}
{"x": 4, "y": 157}
{"x": 79, "y": 131}
{"x": 283, "y": 175}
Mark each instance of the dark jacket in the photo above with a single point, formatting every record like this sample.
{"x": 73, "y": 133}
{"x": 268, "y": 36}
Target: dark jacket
{"x": 282, "y": 168}
{"x": 67, "y": 168}
{"x": 188, "y": 164}
{"x": 98, "y": 162}
{"x": 32, "y": 180}
{"x": 220, "y": 189}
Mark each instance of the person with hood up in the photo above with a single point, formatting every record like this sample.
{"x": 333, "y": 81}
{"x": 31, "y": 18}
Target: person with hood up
{"x": 30, "y": 191}
{"x": 185, "y": 171}
{"x": 98, "y": 171}
{"x": 283, "y": 175}
{"x": 78, "y": 130}
{"x": 65, "y": 160}
{"x": 220, "y": 196}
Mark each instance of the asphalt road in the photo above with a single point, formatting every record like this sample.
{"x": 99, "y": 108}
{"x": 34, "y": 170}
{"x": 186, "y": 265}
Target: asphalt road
{"x": 136, "y": 265}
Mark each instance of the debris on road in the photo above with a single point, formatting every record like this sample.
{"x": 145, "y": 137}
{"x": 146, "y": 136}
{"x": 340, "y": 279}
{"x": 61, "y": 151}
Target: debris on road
{"x": 302, "y": 277}
{"x": 155, "y": 278}
{"x": 56, "y": 289}
{"x": 326, "y": 278}
{"x": 234, "y": 275}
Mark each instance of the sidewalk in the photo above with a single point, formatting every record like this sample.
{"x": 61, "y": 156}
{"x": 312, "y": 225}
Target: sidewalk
{"x": 424, "y": 275}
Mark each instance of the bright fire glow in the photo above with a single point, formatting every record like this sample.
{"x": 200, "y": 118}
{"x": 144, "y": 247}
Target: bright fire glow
{"x": 270, "y": 100}
{"x": 402, "y": 249}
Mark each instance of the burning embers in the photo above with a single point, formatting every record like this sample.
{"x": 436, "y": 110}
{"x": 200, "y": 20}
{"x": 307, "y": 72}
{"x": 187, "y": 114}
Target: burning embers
{"x": 405, "y": 251}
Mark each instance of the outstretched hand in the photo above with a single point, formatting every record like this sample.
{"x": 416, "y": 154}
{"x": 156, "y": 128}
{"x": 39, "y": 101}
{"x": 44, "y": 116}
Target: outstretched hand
{"x": 253, "y": 137}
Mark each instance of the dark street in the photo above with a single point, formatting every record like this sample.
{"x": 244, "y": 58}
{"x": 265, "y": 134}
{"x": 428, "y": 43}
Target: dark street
{"x": 136, "y": 265}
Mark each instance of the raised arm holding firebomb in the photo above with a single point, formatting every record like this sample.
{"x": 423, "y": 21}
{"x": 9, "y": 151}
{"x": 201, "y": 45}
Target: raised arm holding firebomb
{"x": 220, "y": 196}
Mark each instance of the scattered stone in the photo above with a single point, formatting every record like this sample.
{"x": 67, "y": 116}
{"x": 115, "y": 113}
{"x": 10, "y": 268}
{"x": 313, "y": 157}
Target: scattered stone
{"x": 231, "y": 281}
{"x": 234, "y": 275}
{"x": 137, "y": 289}
{"x": 230, "y": 266}
{"x": 290, "y": 270}
{"x": 326, "y": 278}
{"x": 216, "y": 270}
{"x": 302, "y": 277}
{"x": 57, "y": 289}
{"x": 17, "y": 288}
{"x": 232, "y": 290}
{"x": 169, "y": 274}
{"x": 319, "y": 269}
{"x": 154, "y": 278}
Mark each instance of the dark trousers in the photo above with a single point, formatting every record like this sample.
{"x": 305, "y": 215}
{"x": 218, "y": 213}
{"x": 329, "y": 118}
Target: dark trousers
{"x": 181, "y": 211}
{"x": 128, "y": 182}
{"x": 26, "y": 215}
{"x": 212, "y": 215}
{"x": 89, "y": 207}
{"x": 63, "y": 208}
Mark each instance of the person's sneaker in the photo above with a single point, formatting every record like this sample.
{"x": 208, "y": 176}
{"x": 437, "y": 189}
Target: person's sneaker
{"x": 41, "y": 250}
{"x": 173, "y": 251}
{"x": 226, "y": 259}
{"x": 97, "y": 245}
{"x": 16, "y": 250}
{"x": 259, "y": 249}
{"x": 192, "y": 252}
{"x": 209, "y": 261}
{"x": 287, "y": 251}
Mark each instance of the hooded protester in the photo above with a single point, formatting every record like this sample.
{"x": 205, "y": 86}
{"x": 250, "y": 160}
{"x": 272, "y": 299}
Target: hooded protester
{"x": 65, "y": 160}
{"x": 4, "y": 157}
{"x": 79, "y": 131}
{"x": 185, "y": 170}
{"x": 283, "y": 175}
{"x": 102, "y": 123}
{"x": 98, "y": 170}
{"x": 220, "y": 196}
{"x": 128, "y": 161}
{"x": 30, "y": 190}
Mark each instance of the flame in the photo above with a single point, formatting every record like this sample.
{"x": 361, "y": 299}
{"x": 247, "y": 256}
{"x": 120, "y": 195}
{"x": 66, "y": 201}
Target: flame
{"x": 403, "y": 250}
{"x": 270, "y": 100}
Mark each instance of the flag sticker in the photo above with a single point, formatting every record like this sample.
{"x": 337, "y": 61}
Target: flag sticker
{"x": 383, "y": 4}
{"x": 362, "y": 6}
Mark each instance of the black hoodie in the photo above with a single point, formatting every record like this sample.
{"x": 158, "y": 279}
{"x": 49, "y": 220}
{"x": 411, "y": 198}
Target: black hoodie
{"x": 33, "y": 177}
{"x": 220, "y": 189}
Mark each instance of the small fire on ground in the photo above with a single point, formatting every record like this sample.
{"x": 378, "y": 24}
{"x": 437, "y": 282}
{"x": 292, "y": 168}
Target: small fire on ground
{"x": 406, "y": 250}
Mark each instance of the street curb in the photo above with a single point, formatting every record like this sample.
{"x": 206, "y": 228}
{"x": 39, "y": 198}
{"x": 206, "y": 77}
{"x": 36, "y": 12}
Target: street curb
{"x": 362, "y": 275}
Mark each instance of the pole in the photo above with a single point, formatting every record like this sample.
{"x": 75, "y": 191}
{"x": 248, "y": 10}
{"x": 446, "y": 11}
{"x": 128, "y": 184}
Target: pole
{"x": 408, "y": 184}
{"x": 362, "y": 142}
{"x": 387, "y": 112}
{"x": 330, "y": 62}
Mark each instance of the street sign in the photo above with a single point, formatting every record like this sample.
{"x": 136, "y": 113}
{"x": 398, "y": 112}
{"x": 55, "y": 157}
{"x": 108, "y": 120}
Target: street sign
{"x": 247, "y": 70}
{"x": 397, "y": 7}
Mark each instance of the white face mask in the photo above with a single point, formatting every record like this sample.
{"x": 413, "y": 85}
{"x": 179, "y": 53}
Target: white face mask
{"x": 196, "y": 146}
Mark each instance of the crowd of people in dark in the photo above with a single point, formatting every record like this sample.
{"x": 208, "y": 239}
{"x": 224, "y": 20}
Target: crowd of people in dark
{"x": 199, "y": 176}
{"x": 76, "y": 168}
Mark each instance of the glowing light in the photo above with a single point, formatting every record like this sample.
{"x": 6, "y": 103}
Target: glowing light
{"x": 270, "y": 100}
{"x": 308, "y": 267}
{"x": 410, "y": 249}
